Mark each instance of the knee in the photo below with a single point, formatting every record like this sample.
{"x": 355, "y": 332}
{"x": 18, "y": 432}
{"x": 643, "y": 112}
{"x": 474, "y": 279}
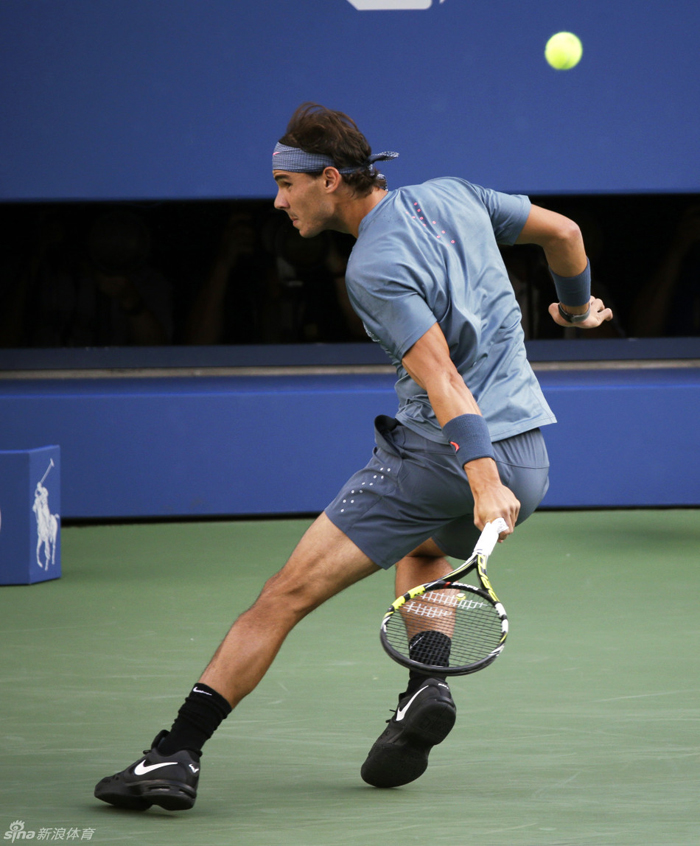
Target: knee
{"x": 415, "y": 569}
{"x": 288, "y": 596}
{"x": 416, "y": 561}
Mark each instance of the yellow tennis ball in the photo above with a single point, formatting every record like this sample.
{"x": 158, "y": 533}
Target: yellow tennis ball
{"x": 563, "y": 50}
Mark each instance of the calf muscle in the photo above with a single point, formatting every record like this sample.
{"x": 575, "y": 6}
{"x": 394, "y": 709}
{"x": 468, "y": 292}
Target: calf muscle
{"x": 324, "y": 563}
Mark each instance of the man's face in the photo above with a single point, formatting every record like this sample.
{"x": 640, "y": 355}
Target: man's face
{"x": 305, "y": 200}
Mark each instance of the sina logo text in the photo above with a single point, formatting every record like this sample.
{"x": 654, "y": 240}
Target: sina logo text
{"x": 17, "y": 832}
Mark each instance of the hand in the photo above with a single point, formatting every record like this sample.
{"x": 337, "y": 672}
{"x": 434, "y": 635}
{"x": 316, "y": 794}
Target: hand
{"x": 492, "y": 499}
{"x": 599, "y": 314}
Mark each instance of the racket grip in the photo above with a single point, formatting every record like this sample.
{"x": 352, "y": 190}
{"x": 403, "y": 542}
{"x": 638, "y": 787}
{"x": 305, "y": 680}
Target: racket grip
{"x": 489, "y": 537}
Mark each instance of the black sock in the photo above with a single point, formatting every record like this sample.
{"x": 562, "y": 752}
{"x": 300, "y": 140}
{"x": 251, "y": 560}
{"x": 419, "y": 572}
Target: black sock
{"x": 199, "y": 717}
{"x": 429, "y": 647}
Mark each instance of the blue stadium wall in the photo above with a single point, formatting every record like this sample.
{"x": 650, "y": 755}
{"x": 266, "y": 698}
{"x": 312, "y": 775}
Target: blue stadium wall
{"x": 125, "y": 99}
{"x": 203, "y": 446}
{"x": 177, "y": 99}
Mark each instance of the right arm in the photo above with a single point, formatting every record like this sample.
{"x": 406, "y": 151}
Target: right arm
{"x": 429, "y": 364}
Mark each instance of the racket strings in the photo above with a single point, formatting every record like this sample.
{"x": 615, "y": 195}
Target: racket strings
{"x": 446, "y": 627}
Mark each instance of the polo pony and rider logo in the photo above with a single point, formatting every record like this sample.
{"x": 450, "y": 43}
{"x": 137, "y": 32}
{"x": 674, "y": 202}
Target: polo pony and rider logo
{"x": 46, "y": 524}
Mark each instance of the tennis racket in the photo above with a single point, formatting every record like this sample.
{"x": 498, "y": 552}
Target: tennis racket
{"x": 446, "y": 626}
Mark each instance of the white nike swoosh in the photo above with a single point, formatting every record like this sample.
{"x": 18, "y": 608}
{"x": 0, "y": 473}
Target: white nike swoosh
{"x": 401, "y": 712}
{"x": 195, "y": 689}
{"x": 142, "y": 768}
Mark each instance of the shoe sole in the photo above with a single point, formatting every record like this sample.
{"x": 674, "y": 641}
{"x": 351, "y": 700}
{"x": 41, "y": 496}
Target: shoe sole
{"x": 396, "y": 763}
{"x": 140, "y": 796}
{"x": 430, "y": 722}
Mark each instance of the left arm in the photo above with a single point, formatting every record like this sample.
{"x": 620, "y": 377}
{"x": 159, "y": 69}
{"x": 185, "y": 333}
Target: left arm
{"x": 562, "y": 242}
{"x": 429, "y": 364}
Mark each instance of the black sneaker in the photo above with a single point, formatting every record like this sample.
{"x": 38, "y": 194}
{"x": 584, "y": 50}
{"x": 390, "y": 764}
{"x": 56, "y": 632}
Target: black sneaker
{"x": 166, "y": 780}
{"x": 422, "y": 719}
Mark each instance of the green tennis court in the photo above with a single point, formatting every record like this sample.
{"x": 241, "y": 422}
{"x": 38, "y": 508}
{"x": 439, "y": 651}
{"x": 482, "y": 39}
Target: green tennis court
{"x": 585, "y": 731}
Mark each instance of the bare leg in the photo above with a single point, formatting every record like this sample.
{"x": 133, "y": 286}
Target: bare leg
{"x": 425, "y": 712}
{"x": 325, "y": 562}
{"x": 424, "y": 564}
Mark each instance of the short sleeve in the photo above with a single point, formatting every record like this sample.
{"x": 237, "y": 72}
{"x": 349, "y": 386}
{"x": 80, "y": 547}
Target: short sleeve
{"x": 395, "y": 315}
{"x": 508, "y": 213}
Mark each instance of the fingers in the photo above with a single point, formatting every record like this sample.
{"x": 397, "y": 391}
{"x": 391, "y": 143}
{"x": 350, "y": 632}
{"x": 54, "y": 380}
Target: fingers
{"x": 508, "y": 508}
{"x": 503, "y": 535}
{"x": 599, "y": 313}
{"x": 511, "y": 520}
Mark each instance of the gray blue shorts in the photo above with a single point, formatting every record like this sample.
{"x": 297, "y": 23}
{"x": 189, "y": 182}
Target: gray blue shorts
{"x": 413, "y": 489}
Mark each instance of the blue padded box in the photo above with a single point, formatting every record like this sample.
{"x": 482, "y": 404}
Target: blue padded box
{"x": 30, "y": 522}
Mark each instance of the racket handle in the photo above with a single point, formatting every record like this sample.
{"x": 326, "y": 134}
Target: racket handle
{"x": 489, "y": 537}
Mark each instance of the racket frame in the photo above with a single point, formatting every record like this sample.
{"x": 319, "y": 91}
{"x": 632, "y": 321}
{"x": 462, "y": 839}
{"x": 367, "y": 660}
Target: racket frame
{"x": 478, "y": 562}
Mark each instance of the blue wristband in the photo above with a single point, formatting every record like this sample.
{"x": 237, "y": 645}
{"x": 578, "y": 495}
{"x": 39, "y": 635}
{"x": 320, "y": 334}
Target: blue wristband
{"x": 573, "y": 290}
{"x": 469, "y": 435}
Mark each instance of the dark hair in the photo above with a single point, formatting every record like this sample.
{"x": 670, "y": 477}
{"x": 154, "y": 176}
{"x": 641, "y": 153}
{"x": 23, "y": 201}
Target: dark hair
{"x": 316, "y": 129}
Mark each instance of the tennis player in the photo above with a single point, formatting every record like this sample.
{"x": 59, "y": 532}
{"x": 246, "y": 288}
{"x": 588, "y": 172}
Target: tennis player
{"x": 465, "y": 447}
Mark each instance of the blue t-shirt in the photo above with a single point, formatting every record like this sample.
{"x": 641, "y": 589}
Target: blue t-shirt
{"x": 429, "y": 253}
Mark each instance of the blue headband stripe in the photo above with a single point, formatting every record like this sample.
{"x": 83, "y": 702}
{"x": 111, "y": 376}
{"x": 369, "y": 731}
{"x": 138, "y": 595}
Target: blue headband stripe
{"x": 296, "y": 160}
